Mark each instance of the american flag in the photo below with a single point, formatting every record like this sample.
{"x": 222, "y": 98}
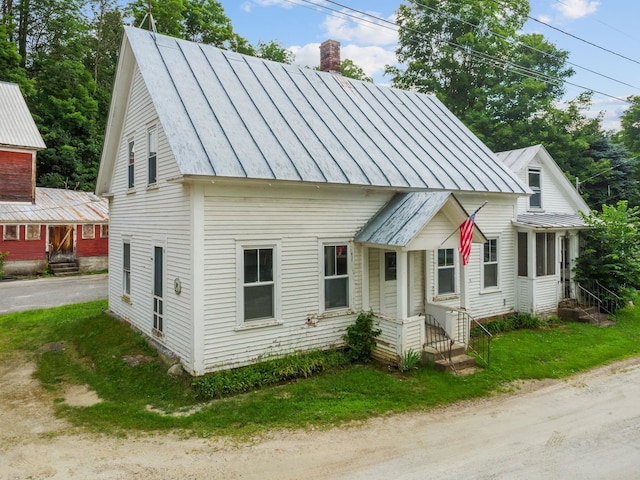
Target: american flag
{"x": 466, "y": 235}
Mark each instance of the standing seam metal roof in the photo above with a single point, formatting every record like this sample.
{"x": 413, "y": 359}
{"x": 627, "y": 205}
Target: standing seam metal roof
{"x": 56, "y": 205}
{"x": 17, "y": 127}
{"x": 225, "y": 114}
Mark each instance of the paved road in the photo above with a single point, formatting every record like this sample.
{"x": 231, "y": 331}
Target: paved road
{"x": 20, "y": 295}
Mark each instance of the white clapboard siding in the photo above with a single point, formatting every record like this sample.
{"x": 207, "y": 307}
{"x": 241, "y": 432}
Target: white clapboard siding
{"x": 147, "y": 217}
{"x": 298, "y": 222}
{"x": 374, "y": 279}
{"x": 546, "y": 295}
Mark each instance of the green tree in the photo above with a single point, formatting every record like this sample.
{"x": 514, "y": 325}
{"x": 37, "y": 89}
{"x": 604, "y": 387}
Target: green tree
{"x": 471, "y": 55}
{"x": 612, "y": 175}
{"x": 630, "y": 126}
{"x": 11, "y": 69}
{"x": 201, "y": 21}
{"x": 274, "y": 51}
{"x": 349, "y": 69}
{"x": 612, "y": 253}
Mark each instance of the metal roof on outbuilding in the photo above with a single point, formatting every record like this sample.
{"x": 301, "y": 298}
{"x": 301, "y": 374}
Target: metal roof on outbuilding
{"x": 55, "y": 205}
{"x": 230, "y": 115}
{"x": 17, "y": 128}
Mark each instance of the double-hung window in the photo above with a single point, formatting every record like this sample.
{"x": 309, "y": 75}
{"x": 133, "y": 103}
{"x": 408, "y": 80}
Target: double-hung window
{"x": 132, "y": 159}
{"x": 446, "y": 271}
{"x": 258, "y": 283}
{"x": 535, "y": 200}
{"x": 152, "y": 155}
{"x": 11, "y": 232}
{"x": 490, "y": 264}
{"x": 336, "y": 276}
{"x": 545, "y": 254}
{"x": 126, "y": 268}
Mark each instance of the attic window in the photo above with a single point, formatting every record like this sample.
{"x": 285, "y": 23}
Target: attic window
{"x": 11, "y": 232}
{"x": 152, "y": 155}
{"x": 535, "y": 200}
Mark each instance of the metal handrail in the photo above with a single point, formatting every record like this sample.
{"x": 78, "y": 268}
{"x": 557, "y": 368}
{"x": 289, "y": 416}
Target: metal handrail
{"x": 435, "y": 336}
{"x": 590, "y": 301}
{"x": 611, "y": 302}
{"x": 480, "y": 344}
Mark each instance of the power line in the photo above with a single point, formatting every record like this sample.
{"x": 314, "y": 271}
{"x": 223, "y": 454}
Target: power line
{"x": 384, "y": 23}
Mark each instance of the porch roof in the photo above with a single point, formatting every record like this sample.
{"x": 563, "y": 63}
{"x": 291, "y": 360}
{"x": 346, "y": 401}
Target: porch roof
{"x": 406, "y": 215}
{"x": 550, "y": 221}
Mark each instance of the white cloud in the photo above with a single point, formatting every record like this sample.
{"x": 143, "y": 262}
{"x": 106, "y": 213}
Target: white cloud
{"x": 371, "y": 59}
{"x": 363, "y": 31}
{"x": 576, "y": 8}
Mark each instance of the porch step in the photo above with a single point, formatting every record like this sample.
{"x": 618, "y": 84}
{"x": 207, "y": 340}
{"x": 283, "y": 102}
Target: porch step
{"x": 584, "y": 315}
{"x": 63, "y": 269}
{"x": 458, "y": 363}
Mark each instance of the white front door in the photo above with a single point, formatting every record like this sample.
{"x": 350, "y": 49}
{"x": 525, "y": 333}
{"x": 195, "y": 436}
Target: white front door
{"x": 388, "y": 283}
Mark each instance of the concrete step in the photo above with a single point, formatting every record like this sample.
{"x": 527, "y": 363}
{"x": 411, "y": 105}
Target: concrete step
{"x": 435, "y": 351}
{"x": 458, "y": 363}
{"x": 62, "y": 269}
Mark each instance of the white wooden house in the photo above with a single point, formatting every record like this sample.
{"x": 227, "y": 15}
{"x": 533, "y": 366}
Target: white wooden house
{"x": 256, "y": 207}
{"x": 547, "y": 225}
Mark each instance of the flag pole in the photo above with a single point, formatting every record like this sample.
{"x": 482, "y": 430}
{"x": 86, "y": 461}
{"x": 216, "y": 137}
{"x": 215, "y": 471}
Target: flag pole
{"x": 458, "y": 227}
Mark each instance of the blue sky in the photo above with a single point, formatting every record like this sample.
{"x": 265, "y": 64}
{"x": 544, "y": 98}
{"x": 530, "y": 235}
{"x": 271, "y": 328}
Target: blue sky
{"x": 610, "y": 24}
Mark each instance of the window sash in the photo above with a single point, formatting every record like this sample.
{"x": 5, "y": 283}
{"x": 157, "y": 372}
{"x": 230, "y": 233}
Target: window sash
{"x": 258, "y": 283}
{"x": 535, "y": 200}
{"x": 33, "y": 232}
{"x": 336, "y": 276}
{"x": 545, "y": 254}
{"x": 88, "y": 231}
{"x": 131, "y": 167}
{"x": 490, "y": 263}
{"x": 126, "y": 268}
{"x": 446, "y": 271}
{"x": 11, "y": 232}
{"x": 152, "y": 153}
{"x": 390, "y": 261}
{"x": 523, "y": 254}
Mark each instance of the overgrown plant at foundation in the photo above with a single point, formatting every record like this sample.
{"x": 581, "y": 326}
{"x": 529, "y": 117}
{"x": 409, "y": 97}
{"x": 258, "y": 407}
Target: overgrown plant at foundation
{"x": 410, "y": 360}
{"x": 269, "y": 372}
{"x": 361, "y": 338}
{"x": 3, "y": 256}
{"x": 519, "y": 321}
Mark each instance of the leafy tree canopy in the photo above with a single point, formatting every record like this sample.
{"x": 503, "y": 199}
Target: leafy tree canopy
{"x": 612, "y": 253}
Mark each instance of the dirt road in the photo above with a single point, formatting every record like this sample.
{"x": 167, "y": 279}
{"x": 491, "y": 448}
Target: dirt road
{"x": 586, "y": 427}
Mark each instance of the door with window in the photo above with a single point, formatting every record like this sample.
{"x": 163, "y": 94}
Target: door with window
{"x": 388, "y": 284}
{"x": 565, "y": 267}
{"x": 158, "y": 290}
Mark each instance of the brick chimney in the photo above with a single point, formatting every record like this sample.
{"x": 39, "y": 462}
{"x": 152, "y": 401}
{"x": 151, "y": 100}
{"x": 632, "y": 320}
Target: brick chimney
{"x": 330, "y": 56}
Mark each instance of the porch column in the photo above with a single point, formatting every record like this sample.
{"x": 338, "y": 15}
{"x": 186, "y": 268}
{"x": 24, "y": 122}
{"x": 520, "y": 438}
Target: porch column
{"x": 365, "y": 279}
{"x": 464, "y": 290}
{"x": 402, "y": 283}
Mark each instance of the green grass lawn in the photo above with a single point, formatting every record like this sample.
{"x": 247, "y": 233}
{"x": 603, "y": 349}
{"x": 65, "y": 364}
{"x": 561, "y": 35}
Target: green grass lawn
{"x": 95, "y": 344}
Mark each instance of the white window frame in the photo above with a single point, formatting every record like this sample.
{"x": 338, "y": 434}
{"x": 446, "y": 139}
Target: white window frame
{"x": 349, "y": 276}
{"x": 152, "y": 135}
{"x": 536, "y": 190}
{"x": 455, "y": 274}
{"x": 33, "y": 227}
{"x": 91, "y": 235}
{"x": 11, "y": 238}
{"x": 276, "y": 247}
{"x": 131, "y": 165}
{"x": 546, "y": 261}
{"x": 485, "y": 288}
{"x": 126, "y": 274}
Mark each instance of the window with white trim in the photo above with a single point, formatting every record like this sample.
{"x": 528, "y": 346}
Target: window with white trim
{"x": 490, "y": 264}
{"x": 33, "y": 232}
{"x": 545, "y": 254}
{"x": 390, "y": 266}
{"x": 535, "y": 200}
{"x": 336, "y": 276}
{"x": 126, "y": 268}
{"x": 152, "y": 155}
{"x": 446, "y": 271}
{"x": 131, "y": 181}
{"x": 88, "y": 231}
{"x": 259, "y": 283}
{"x": 11, "y": 232}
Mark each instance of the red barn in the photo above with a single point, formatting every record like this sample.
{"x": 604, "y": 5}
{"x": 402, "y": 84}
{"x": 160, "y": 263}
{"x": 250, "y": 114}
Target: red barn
{"x": 41, "y": 228}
